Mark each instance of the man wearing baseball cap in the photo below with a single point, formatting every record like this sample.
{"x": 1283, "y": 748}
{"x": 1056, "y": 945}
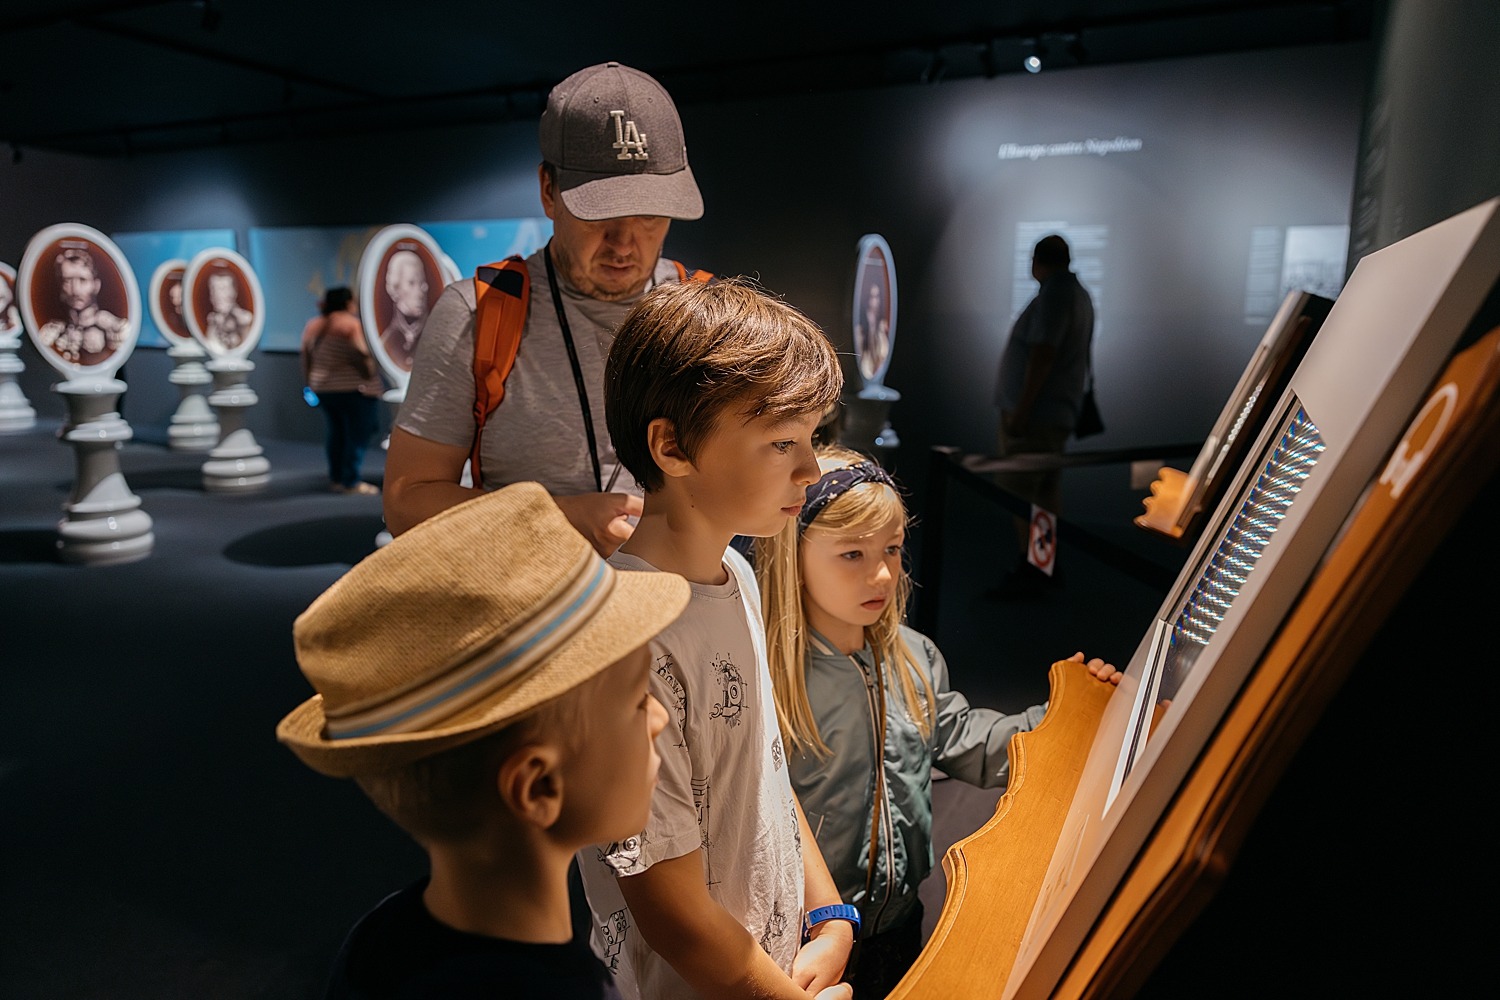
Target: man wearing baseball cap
{"x": 487, "y": 689}
{"x": 614, "y": 174}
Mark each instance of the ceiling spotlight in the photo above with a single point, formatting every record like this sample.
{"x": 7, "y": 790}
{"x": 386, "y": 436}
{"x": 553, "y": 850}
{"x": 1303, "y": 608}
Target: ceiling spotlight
{"x": 1037, "y": 48}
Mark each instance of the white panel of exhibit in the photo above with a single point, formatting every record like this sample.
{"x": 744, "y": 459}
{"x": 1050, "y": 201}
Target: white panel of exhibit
{"x": 1388, "y": 335}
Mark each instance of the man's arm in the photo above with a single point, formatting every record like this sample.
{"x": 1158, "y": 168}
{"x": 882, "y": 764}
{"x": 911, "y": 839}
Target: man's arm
{"x": 602, "y": 518}
{"x": 421, "y": 479}
{"x": 700, "y": 939}
{"x": 820, "y": 962}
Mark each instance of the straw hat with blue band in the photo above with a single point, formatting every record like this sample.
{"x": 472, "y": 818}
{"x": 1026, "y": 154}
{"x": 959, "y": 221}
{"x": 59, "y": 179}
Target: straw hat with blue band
{"x": 460, "y": 626}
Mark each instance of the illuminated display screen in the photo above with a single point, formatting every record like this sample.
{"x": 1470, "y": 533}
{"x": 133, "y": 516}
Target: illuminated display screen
{"x": 1226, "y": 567}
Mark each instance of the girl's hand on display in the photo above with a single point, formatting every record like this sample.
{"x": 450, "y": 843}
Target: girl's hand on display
{"x": 1106, "y": 672}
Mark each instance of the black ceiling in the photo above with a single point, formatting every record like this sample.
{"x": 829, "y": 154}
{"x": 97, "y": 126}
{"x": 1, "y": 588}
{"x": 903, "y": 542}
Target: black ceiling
{"x": 116, "y": 77}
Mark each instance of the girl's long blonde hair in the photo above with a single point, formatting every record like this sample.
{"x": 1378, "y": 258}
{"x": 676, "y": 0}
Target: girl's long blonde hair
{"x": 860, "y": 511}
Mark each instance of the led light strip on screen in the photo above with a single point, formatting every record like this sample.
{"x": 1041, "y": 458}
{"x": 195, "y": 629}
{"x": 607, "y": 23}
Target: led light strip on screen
{"x": 1175, "y": 649}
{"x": 1241, "y": 547}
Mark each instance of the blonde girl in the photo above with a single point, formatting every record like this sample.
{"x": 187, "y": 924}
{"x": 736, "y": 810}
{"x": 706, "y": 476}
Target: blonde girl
{"x": 850, "y": 676}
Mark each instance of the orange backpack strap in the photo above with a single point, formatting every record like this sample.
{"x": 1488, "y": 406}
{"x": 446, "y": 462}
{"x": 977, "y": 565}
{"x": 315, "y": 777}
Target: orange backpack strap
{"x": 501, "y": 291}
{"x": 699, "y": 276}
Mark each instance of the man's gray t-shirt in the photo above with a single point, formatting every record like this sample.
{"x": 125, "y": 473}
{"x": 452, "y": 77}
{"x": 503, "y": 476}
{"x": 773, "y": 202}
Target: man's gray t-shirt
{"x": 537, "y": 433}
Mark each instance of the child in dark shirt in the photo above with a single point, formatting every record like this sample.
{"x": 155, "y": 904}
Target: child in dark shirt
{"x": 484, "y": 679}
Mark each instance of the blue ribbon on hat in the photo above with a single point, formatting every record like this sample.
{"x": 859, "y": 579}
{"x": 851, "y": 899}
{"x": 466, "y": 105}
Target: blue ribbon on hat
{"x": 835, "y": 484}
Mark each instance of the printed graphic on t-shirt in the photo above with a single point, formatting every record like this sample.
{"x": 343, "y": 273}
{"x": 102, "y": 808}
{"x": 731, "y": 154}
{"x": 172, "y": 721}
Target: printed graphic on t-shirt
{"x": 700, "y": 802}
{"x": 776, "y": 753}
{"x": 613, "y": 932}
{"x": 624, "y": 856}
{"x": 775, "y": 928}
{"x": 666, "y": 668}
{"x": 732, "y": 708}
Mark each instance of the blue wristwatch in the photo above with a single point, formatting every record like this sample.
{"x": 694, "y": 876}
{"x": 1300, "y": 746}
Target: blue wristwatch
{"x": 839, "y": 911}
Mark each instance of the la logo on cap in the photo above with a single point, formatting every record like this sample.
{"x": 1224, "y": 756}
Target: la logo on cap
{"x": 629, "y": 139}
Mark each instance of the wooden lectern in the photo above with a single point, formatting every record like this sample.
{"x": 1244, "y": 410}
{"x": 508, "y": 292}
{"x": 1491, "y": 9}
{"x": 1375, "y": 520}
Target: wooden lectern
{"x": 1125, "y": 812}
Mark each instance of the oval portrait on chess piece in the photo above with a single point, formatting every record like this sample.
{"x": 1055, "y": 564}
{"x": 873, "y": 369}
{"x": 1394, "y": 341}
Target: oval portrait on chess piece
{"x": 401, "y": 274}
{"x": 222, "y": 303}
{"x": 79, "y": 300}
{"x": 874, "y": 309}
{"x": 165, "y": 296}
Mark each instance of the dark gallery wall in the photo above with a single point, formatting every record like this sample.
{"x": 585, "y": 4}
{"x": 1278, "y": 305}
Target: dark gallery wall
{"x": 1203, "y": 152}
{"x": 1429, "y": 147}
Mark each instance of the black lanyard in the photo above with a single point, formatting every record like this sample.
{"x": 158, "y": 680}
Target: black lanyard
{"x": 583, "y": 393}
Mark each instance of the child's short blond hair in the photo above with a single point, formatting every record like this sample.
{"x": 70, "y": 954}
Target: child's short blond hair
{"x": 446, "y": 797}
{"x": 690, "y": 352}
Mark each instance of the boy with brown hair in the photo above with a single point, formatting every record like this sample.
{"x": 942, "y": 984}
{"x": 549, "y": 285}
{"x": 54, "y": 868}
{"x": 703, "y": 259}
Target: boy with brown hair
{"x": 712, "y": 395}
{"x": 484, "y": 679}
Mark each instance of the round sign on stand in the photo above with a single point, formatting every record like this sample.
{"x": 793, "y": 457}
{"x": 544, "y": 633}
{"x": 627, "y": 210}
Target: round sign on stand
{"x": 224, "y": 309}
{"x": 222, "y": 303}
{"x": 165, "y": 298}
{"x": 82, "y": 307}
{"x": 193, "y": 426}
{"x": 80, "y": 301}
{"x": 401, "y": 274}
{"x": 874, "y": 309}
{"x": 873, "y": 320}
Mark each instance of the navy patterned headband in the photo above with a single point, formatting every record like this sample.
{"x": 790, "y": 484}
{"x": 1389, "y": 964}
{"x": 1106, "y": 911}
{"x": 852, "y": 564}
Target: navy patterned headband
{"x": 835, "y": 484}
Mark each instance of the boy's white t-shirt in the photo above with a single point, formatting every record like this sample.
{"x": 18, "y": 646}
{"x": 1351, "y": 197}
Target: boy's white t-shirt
{"x": 723, "y": 788}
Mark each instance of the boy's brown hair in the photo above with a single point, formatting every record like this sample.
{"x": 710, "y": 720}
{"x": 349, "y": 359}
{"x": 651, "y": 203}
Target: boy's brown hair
{"x": 690, "y": 352}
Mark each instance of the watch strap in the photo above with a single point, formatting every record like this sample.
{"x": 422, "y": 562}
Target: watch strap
{"x": 838, "y": 911}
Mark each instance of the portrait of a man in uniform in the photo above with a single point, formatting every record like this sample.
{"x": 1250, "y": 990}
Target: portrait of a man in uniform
{"x": 84, "y": 333}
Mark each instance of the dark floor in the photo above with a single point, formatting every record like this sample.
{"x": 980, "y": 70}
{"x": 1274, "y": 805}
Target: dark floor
{"x": 158, "y": 842}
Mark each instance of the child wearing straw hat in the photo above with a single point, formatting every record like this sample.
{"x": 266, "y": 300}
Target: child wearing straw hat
{"x": 712, "y": 394}
{"x": 484, "y": 680}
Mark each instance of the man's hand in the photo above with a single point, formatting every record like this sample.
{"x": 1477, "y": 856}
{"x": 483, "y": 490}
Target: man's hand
{"x": 820, "y": 962}
{"x": 1106, "y": 672}
{"x": 843, "y": 991}
{"x": 602, "y": 518}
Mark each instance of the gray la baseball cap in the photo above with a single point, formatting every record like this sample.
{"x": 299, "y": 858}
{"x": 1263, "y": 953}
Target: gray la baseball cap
{"x": 614, "y": 136}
